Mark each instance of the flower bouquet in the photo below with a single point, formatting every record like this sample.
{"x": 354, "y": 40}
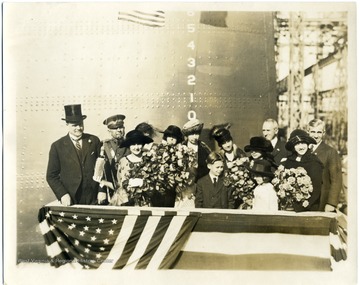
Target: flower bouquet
{"x": 139, "y": 182}
{"x": 163, "y": 168}
{"x": 174, "y": 164}
{"x": 239, "y": 178}
{"x": 292, "y": 186}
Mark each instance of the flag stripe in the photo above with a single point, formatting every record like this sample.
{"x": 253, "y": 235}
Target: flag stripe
{"x": 131, "y": 242}
{"x": 338, "y": 248}
{"x": 221, "y": 222}
{"x": 147, "y": 234}
{"x": 44, "y": 227}
{"x": 181, "y": 238}
{"x": 120, "y": 242}
{"x": 153, "y": 245}
{"x": 173, "y": 230}
{"x": 49, "y": 238}
{"x": 53, "y": 249}
{"x": 151, "y": 19}
{"x": 250, "y": 243}
{"x": 212, "y": 261}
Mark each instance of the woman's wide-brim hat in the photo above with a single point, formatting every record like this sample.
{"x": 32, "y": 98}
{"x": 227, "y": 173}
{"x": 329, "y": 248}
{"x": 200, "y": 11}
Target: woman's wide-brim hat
{"x": 193, "y": 126}
{"x": 298, "y": 136}
{"x": 135, "y": 137}
{"x": 73, "y": 114}
{"x": 259, "y": 144}
{"x": 174, "y": 132}
{"x": 261, "y": 167}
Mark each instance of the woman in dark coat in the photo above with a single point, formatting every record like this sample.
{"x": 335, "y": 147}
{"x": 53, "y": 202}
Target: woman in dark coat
{"x": 301, "y": 156}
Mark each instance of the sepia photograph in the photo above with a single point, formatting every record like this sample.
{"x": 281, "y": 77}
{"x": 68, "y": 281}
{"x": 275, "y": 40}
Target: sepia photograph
{"x": 179, "y": 142}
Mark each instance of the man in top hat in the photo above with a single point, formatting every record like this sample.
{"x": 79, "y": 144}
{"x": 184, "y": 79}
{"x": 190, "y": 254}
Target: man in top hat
{"x": 332, "y": 174}
{"x": 270, "y": 130}
{"x": 71, "y": 163}
{"x": 113, "y": 152}
{"x": 192, "y": 130}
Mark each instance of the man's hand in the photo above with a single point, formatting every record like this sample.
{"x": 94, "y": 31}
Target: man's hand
{"x": 66, "y": 200}
{"x": 101, "y": 197}
{"x": 329, "y": 208}
{"x": 107, "y": 184}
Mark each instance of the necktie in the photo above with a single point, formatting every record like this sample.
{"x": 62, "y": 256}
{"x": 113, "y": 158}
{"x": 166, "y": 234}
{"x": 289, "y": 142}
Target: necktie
{"x": 78, "y": 145}
{"x": 78, "y": 148}
{"x": 215, "y": 180}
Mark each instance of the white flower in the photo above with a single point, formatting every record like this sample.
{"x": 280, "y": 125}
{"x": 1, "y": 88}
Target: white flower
{"x": 305, "y": 203}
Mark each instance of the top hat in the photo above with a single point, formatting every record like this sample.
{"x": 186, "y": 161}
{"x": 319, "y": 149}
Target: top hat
{"x": 194, "y": 126}
{"x": 135, "y": 137}
{"x": 261, "y": 166}
{"x": 114, "y": 122}
{"x": 73, "y": 114}
{"x": 174, "y": 132}
{"x": 298, "y": 136}
{"x": 259, "y": 144}
{"x": 222, "y": 136}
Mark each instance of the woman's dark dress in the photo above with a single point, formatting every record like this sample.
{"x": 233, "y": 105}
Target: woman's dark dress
{"x": 314, "y": 168}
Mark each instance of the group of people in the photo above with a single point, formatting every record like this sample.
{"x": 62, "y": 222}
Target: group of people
{"x": 76, "y": 175}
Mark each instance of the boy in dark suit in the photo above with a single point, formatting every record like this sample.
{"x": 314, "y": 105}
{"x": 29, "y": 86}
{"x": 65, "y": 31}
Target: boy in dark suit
{"x": 210, "y": 189}
{"x": 71, "y": 163}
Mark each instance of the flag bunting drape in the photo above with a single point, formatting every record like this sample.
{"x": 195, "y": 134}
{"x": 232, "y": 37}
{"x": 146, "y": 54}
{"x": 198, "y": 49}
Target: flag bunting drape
{"x": 164, "y": 238}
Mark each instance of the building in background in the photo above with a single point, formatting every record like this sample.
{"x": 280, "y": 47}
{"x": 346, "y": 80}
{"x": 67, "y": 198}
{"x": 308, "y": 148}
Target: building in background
{"x": 311, "y": 50}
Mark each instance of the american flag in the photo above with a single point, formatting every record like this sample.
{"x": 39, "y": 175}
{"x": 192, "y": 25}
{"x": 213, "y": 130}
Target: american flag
{"x": 165, "y": 238}
{"x": 114, "y": 238}
{"x": 147, "y": 18}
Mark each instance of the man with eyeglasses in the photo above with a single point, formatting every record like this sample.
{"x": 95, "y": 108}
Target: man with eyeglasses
{"x": 332, "y": 174}
{"x": 111, "y": 153}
